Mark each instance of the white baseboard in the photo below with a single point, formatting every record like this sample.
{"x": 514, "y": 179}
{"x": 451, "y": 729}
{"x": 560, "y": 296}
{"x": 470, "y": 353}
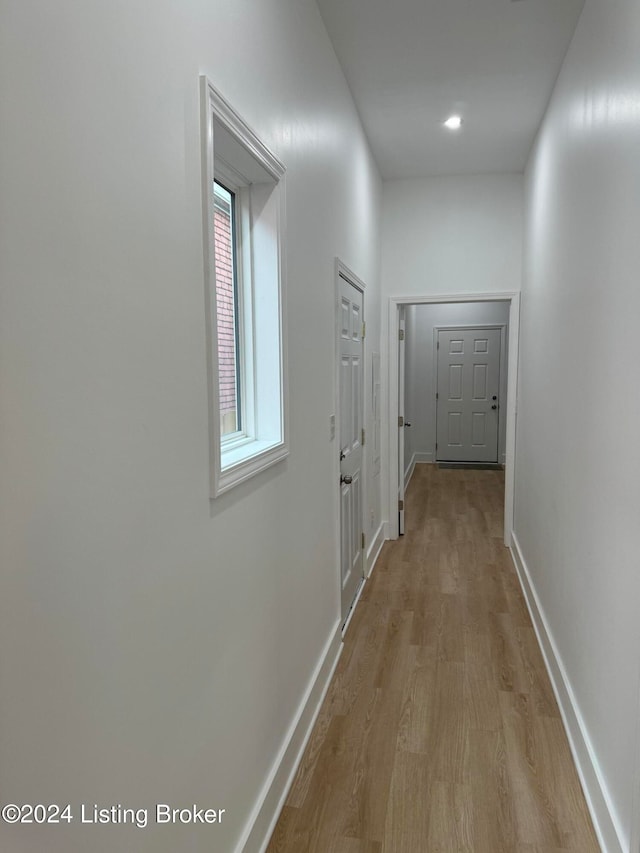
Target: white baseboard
{"x": 408, "y": 474}
{"x": 263, "y": 819}
{"x": 418, "y": 458}
{"x": 598, "y": 801}
{"x": 373, "y": 552}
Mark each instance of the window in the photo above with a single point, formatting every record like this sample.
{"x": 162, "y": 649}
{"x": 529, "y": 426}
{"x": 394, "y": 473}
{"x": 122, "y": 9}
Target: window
{"x": 243, "y": 204}
{"x": 227, "y": 310}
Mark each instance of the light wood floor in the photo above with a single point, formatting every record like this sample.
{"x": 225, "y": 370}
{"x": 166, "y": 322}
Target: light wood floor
{"x": 440, "y": 732}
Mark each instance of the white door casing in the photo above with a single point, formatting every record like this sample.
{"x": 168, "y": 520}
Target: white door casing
{"x": 468, "y": 389}
{"x": 350, "y": 435}
{"x": 401, "y": 396}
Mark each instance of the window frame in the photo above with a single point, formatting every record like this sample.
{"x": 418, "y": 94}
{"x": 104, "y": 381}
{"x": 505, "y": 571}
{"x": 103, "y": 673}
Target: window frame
{"x": 246, "y": 167}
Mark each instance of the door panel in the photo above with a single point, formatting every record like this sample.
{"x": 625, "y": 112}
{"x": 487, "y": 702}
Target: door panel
{"x": 455, "y": 382}
{"x": 344, "y": 332}
{"x": 479, "y": 381}
{"x": 356, "y": 324}
{"x": 346, "y": 406}
{"x": 454, "y": 433}
{"x": 356, "y": 514}
{"x": 345, "y": 534}
{"x": 350, "y": 424}
{"x": 356, "y": 395}
{"x": 468, "y": 385}
{"x": 478, "y": 429}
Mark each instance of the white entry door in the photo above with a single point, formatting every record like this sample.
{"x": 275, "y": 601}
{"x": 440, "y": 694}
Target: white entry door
{"x": 467, "y": 397}
{"x": 350, "y": 441}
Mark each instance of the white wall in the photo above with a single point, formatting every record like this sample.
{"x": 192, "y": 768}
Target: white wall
{"x": 452, "y": 235}
{"x": 447, "y": 236}
{"x": 578, "y": 457}
{"x": 154, "y": 647}
{"x": 420, "y": 384}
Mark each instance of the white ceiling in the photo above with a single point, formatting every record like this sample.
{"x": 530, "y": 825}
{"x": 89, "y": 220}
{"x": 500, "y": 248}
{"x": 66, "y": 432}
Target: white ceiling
{"x": 411, "y": 63}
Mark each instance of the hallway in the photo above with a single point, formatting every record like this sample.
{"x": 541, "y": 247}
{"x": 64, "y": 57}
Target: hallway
{"x": 440, "y": 731}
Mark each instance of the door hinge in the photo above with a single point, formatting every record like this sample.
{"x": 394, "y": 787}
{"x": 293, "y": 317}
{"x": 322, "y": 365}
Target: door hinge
{"x": 363, "y": 541}
{"x": 400, "y": 506}
{"x": 362, "y": 437}
{"x": 436, "y": 445}
{"x": 437, "y": 395}
{"x": 438, "y": 345}
{"x": 364, "y": 330}
{"x": 400, "y": 421}
{"x": 401, "y": 335}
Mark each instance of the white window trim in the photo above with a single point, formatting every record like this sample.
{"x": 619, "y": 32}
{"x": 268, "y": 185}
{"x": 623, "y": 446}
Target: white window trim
{"x": 250, "y": 451}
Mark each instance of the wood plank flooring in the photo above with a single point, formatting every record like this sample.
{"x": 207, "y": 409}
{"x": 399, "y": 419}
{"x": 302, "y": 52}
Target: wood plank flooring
{"x": 440, "y": 732}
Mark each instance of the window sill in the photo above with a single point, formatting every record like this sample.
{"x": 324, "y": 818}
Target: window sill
{"x": 234, "y": 443}
{"x": 240, "y": 463}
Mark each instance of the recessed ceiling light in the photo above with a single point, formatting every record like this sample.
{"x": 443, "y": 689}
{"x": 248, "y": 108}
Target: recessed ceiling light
{"x": 453, "y": 122}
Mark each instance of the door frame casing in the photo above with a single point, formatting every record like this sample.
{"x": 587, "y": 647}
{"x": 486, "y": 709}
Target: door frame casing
{"x": 342, "y": 271}
{"x": 513, "y": 297}
{"x": 502, "y": 366}
{"x": 401, "y": 344}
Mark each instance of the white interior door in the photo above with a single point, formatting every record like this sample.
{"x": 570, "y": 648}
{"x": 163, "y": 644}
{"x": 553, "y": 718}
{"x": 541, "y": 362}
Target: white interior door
{"x": 468, "y": 389}
{"x": 350, "y": 324}
{"x": 401, "y": 369}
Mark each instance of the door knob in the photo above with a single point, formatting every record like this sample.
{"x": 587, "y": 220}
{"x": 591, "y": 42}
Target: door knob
{"x": 494, "y": 397}
{"x": 406, "y": 424}
{"x": 494, "y": 406}
{"x": 347, "y": 479}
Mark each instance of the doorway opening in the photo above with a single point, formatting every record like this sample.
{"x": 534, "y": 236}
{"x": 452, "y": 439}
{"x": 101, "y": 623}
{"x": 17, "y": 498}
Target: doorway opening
{"x": 473, "y": 370}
